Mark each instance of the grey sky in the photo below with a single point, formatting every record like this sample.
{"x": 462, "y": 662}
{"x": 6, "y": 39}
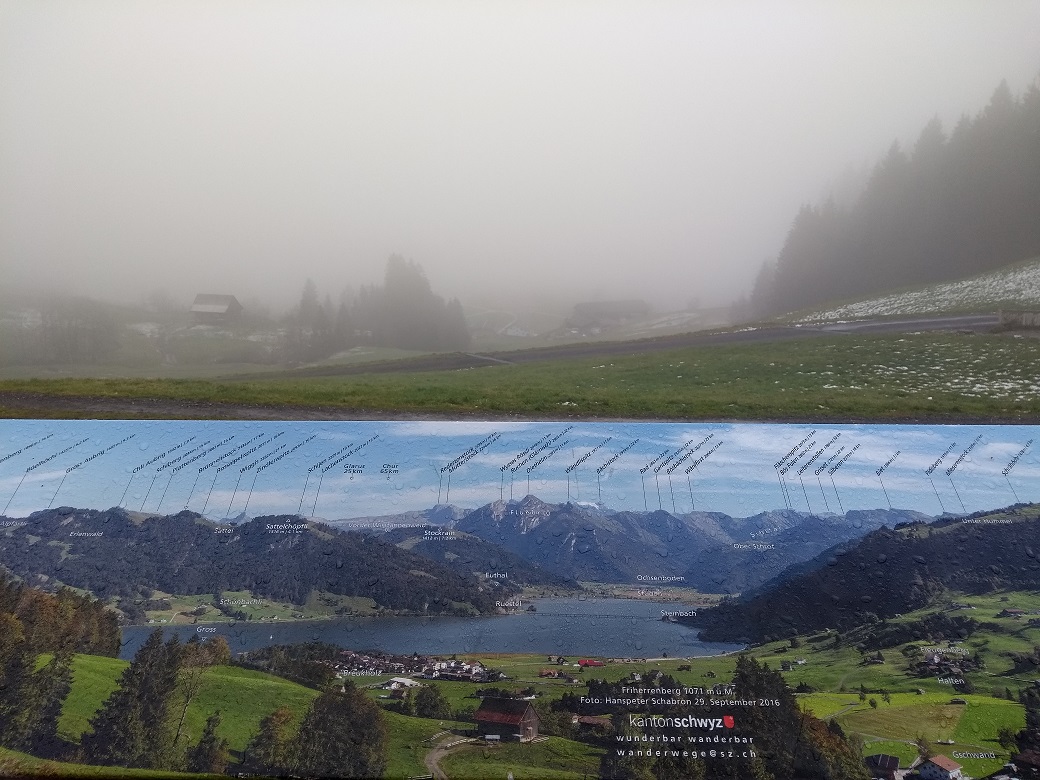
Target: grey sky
{"x": 605, "y": 149}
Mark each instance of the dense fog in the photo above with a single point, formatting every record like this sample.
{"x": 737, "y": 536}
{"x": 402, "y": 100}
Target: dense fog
{"x": 516, "y": 152}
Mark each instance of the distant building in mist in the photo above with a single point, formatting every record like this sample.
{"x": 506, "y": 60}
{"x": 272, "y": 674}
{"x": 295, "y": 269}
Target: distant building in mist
{"x": 211, "y": 309}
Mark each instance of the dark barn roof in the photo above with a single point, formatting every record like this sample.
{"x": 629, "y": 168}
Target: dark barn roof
{"x": 882, "y": 761}
{"x": 508, "y": 711}
{"x": 206, "y": 303}
{"x": 1027, "y": 758}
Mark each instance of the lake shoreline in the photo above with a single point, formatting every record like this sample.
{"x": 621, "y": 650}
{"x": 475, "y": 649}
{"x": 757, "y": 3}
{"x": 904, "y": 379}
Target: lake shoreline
{"x": 705, "y": 600}
{"x": 608, "y": 628}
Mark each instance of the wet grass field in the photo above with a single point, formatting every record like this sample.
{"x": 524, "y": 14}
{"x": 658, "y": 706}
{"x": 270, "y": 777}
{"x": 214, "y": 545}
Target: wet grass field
{"x": 913, "y": 377}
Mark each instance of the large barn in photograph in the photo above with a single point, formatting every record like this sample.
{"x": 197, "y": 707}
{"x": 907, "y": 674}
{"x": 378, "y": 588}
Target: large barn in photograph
{"x": 509, "y": 720}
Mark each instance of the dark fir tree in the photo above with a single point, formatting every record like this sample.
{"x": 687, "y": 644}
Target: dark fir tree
{"x": 41, "y": 704}
{"x": 132, "y": 727}
{"x": 342, "y": 735}
{"x": 18, "y": 695}
{"x": 212, "y": 754}
{"x": 431, "y": 703}
{"x": 1029, "y": 737}
{"x": 269, "y": 752}
{"x": 405, "y": 313}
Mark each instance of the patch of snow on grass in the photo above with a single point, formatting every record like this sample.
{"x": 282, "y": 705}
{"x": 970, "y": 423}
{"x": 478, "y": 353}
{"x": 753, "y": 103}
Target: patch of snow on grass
{"x": 1019, "y": 285}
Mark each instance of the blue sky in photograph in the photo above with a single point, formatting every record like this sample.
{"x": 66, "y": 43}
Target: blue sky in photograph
{"x": 338, "y": 470}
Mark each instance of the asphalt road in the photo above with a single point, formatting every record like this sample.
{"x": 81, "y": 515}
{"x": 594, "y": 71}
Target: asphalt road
{"x": 972, "y": 322}
{"x": 597, "y": 349}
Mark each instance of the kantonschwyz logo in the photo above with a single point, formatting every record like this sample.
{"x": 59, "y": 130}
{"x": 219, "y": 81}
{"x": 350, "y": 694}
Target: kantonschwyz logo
{"x": 688, "y": 722}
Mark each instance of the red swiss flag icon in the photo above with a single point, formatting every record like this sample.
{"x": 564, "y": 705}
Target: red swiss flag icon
{"x": 727, "y": 721}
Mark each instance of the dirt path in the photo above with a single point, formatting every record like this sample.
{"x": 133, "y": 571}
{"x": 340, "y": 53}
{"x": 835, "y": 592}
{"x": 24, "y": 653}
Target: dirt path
{"x": 433, "y": 758}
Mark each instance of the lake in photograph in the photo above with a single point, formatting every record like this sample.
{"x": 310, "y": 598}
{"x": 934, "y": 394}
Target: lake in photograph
{"x": 595, "y": 627}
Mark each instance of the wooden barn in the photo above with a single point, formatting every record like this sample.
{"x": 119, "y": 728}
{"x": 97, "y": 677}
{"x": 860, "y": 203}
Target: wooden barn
{"x": 210, "y": 309}
{"x": 882, "y": 766}
{"x": 507, "y": 719}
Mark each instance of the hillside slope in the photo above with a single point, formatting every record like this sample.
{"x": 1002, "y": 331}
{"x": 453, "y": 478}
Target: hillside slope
{"x": 887, "y": 573}
{"x": 1011, "y": 287}
{"x": 472, "y": 556}
{"x": 284, "y": 558}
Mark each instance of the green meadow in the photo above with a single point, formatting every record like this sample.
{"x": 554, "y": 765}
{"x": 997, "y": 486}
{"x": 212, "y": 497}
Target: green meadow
{"x": 243, "y": 697}
{"x": 553, "y": 759}
{"x": 15, "y": 764}
{"x": 962, "y": 728}
{"x": 319, "y": 606}
{"x": 923, "y": 376}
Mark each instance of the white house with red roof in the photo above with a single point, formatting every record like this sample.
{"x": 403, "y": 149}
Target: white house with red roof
{"x": 940, "y": 768}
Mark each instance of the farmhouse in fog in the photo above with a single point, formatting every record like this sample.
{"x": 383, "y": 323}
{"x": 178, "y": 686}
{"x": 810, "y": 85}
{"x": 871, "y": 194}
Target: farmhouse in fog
{"x": 507, "y": 719}
{"x": 215, "y": 309}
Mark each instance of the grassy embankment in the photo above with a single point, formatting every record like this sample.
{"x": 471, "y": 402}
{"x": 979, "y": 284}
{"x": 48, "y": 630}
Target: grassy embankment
{"x": 21, "y": 765}
{"x": 886, "y": 378}
{"x": 554, "y": 759}
{"x": 1011, "y": 287}
{"x": 243, "y": 698}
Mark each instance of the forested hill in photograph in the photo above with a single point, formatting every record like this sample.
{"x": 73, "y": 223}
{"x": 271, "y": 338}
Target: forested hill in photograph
{"x": 889, "y": 572}
{"x": 958, "y": 203}
{"x": 116, "y": 553}
{"x": 710, "y": 551}
{"x": 468, "y": 554}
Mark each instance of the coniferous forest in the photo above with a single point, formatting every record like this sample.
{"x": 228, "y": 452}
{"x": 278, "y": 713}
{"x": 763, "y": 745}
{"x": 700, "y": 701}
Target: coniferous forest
{"x": 402, "y": 313}
{"x": 32, "y": 694}
{"x": 958, "y": 202}
{"x": 145, "y": 721}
